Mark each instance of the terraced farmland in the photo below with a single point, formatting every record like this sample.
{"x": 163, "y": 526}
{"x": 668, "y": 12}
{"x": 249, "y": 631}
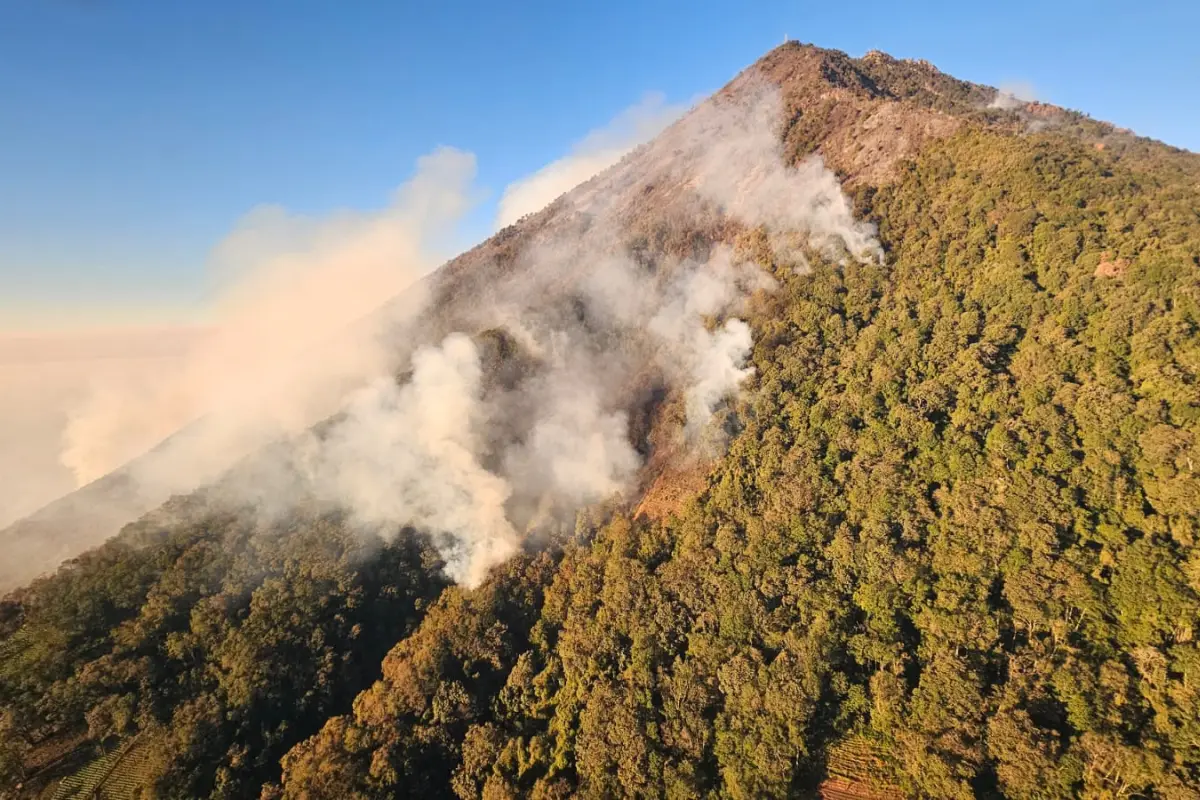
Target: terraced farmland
{"x": 858, "y": 771}
{"x": 117, "y": 775}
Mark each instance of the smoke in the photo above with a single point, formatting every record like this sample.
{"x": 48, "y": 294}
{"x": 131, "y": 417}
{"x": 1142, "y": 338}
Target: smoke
{"x": 595, "y": 153}
{"x": 488, "y": 467}
{"x": 411, "y": 455}
{"x": 502, "y": 436}
{"x": 288, "y": 342}
{"x": 743, "y": 172}
{"x": 297, "y": 327}
{"x": 540, "y": 399}
{"x": 706, "y": 364}
{"x": 1011, "y": 96}
{"x": 45, "y": 375}
{"x": 1021, "y": 98}
{"x": 578, "y": 450}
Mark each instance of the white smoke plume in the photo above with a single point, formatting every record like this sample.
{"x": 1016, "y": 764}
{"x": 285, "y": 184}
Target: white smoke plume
{"x": 595, "y": 153}
{"x": 743, "y": 172}
{"x": 286, "y": 346}
{"x": 578, "y": 450}
{"x": 506, "y": 426}
{"x": 297, "y": 328}
{"x": 597, "y": 327}
{"x": 411, "y": 455}
{"x": 706, "y": 364}
{"x": 1011, "y": 96}
{"x": 490, "y": 468}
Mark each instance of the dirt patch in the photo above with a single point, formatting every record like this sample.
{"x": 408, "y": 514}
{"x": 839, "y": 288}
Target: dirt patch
{"x": 871, "y": 138}
{"x": 672, "y": 489}
{"x": 1110, "y": 267}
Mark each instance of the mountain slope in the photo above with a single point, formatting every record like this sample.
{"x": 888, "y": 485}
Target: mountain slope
{"x": 862, "y": 116}
{"x": 955, "y": 527}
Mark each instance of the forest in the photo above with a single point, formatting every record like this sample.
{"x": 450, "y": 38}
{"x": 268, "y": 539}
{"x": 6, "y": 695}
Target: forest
{"x": 952, "y": 551}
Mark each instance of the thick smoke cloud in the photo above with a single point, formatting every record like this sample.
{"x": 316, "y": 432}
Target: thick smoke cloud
{"x": 288, "y": 342}
{"x": 411, "y": 455}
{"x": 503, "y": 429}
{"x": 742, "y": 172}
{"x": 295, "y": 330}
{"x": 490, "y": 468}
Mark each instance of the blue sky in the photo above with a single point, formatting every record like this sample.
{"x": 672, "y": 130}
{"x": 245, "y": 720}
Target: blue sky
{"x": 135, "y": 133}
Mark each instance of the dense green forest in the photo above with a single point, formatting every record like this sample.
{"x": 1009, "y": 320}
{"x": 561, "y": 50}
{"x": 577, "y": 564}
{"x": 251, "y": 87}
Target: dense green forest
{"x": 215, "y": 642}
{"x": 957, "y": 530}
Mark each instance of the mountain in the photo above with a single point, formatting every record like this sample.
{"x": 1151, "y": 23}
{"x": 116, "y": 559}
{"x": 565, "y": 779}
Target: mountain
{"x": 864, "y": 117}
{"x": 868, "y": 475}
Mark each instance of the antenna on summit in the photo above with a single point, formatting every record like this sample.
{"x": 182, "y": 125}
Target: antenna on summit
{"x": 786, "y": 38}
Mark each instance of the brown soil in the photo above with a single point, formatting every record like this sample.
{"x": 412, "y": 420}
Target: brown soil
{"x": 1110, "y": 267}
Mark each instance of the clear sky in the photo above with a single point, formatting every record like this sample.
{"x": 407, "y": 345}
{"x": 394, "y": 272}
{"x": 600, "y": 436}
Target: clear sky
{"x": 135, "y": 133}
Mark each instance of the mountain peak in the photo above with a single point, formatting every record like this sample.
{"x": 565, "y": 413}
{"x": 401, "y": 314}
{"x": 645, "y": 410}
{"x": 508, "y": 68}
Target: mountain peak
{"x": 866, "y": 115}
